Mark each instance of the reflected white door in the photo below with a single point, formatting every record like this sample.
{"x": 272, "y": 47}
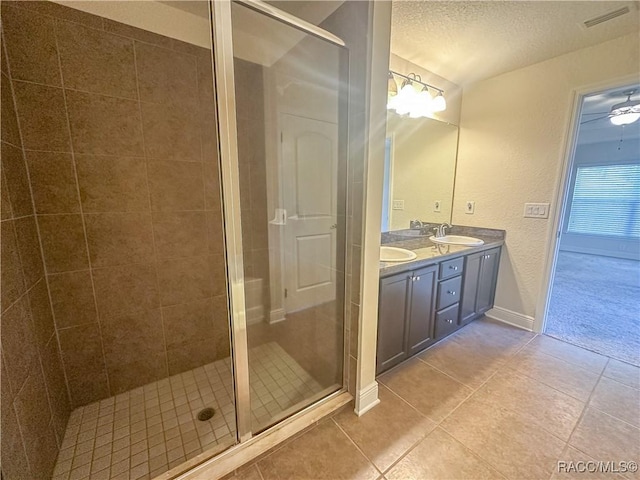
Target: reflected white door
{"x": 309, "y": 181}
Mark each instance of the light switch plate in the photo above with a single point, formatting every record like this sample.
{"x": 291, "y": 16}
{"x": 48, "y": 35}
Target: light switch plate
{"x": 436, "y": 205}
{"x": 398, "y": 205}
{"x": 536, "y": 210}
{"x": 469, "y": 207}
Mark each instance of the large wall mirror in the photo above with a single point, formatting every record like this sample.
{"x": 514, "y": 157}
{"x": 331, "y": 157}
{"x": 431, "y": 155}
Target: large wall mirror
{"x": 420, "y": 165}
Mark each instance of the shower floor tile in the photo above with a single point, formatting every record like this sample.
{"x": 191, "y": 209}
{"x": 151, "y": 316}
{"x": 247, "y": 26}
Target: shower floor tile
{"x": 146, "y": 431}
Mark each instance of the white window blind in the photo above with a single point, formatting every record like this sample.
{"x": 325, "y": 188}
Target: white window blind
{"x": 606, "y": 201}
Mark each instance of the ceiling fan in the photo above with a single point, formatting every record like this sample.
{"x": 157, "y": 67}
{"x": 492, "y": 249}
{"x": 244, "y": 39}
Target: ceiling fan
{"x": 622, "y": 113}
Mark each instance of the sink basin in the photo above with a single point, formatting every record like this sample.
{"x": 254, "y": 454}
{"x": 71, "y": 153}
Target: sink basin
{"x": 458, "y": 240}
{"x": 394, "y": 254}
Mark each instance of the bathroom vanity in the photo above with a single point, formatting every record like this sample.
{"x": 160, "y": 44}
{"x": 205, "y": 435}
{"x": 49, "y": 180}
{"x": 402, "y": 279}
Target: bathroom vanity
{"x": 423, "y": 300}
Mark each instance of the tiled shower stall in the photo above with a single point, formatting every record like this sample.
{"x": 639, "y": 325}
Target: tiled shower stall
{"x": 115, "y": 321}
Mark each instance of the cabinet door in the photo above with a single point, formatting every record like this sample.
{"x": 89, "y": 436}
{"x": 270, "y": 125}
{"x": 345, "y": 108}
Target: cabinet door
{"x": 487, "y": 280}
{"x": 392, "y": 320}
{"x": 421, "y": 309}
{"x": 470, "y": 287}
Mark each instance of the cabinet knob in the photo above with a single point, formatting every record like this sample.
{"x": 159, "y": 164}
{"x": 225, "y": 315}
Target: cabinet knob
{"x": 449, "y": 320}
{"x": 418, "y": 278}
{"x": 451, "y": 292}
{"x": 453, "y": 267}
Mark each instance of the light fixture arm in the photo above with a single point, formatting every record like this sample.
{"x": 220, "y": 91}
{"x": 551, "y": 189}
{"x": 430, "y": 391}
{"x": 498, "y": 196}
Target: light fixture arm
{"x": 412, "y": 77}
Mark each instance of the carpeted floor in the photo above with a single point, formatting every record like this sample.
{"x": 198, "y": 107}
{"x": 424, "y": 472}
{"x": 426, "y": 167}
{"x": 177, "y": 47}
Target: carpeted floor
{"x": 595, "y": 304}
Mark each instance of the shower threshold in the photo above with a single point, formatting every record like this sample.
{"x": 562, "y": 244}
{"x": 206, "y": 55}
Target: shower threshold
{"x": 151, "y": 429}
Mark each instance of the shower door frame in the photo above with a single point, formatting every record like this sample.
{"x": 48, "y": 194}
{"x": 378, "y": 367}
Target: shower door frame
{"x": 223, "y": 73}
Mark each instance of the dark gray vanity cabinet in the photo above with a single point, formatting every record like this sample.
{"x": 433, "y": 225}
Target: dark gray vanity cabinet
{"x": 405, "y": 315}
{"x": 419, "y": 307}
{"x": 479, "y": 287}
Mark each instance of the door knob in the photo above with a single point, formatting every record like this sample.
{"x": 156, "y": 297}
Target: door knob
{"x": 334, "y": 226}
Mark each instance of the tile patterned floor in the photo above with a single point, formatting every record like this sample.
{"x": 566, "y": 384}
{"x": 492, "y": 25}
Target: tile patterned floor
{"x": 489, "y": 402}
{"x": 145, "y": 432}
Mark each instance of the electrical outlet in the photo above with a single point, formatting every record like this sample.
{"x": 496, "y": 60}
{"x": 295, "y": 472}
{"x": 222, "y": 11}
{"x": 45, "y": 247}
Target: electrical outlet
{"x": 436, "y": 206}
{"x": 536, "y": 210}
{"x": 469, "y": 207}
{"x": 398, "y": 205}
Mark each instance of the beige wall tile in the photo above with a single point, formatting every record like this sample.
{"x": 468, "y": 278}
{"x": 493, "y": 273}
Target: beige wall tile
{"x": 184, "y": 280}
{"x": 15, "y": 173}
{"x": 112, "y": 184}
{"x": 53, "y": 181}
{"x": 18, "y": 343}
{"x": 72, "y": 298}
{"x": 144, "y": 369}
{"x": 43, "y": 121}
{"x": 56, "y": 387}
{"x": 8, "y": 122}
{"x": 119, "y": 238}
{"x": 12, "y": 283}
{"x": 198, "y": 326}
{"x": 212, "y": 192}
{"x": 34, "y": 415}
{"x": 104, "y": 125}
{"x": 221, "y": 326}
{"x": 180, "y": 234}
{"x": 126, "y": 289}
{"x": 171, "y": 132}
{"x": 130, "y": 336}
{"x": 191, "y": 355}
{"x": 96, "y": 61}
{"x": 136, "y": 33}
{"x": 176, "y": 186}
{"x": 217, "y": 267}
{"x": 83, "y": 361}
{"x": 63, "y": 243}
{"x": 215, "y": 232}
{"x": 31, "y": 45}
{"x": 5, "y": 202}
{"x": 29, "y": 248}
{"x": 165, "y": 76}
{"x": 41, "y": 313}
{"x": 14, "y": 457}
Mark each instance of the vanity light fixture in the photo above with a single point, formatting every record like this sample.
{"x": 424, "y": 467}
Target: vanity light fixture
{"x": 626, "y": 112}
{"x": 411, "y": 101}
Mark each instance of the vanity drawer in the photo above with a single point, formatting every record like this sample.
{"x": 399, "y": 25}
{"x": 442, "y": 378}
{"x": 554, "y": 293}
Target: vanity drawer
{"x": 448, "y": 292}
{"x": 451, "y": 268}
{"x": 446, "y": 321}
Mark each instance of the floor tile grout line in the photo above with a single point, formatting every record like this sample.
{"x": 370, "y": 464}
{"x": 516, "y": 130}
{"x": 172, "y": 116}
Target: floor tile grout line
{"x": 332, "y": 419}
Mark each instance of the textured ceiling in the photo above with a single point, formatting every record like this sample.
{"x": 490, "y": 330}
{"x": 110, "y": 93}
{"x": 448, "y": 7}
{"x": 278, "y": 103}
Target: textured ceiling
{"x": 467, "y": 41}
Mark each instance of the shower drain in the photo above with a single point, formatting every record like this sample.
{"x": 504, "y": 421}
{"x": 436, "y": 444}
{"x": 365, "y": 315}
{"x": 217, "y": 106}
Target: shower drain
{"x": 205, "y": 414}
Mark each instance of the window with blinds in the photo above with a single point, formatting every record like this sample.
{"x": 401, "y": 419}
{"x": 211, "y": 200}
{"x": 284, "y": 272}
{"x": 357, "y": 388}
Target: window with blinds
{"x": 606, "y": 201}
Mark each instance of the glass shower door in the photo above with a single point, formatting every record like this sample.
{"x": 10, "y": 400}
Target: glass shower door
{"x": 289, "y": 109}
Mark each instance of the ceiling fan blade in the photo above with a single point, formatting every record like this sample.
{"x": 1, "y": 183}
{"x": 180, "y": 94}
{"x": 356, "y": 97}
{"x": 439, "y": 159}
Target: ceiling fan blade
{"x": 594, "y": 120}
{"x": 596, "y": 113}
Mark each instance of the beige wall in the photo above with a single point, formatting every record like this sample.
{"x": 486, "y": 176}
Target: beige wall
{"x": 512, "y": 136}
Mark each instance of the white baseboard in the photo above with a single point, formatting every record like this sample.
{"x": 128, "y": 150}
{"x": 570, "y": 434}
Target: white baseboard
{"x": 367, "y": 398}
{"x": 512, "y": 318}
{"x": 276, "y": 315}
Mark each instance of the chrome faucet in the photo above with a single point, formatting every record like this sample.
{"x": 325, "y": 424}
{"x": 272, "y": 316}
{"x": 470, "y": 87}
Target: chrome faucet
{"x": 441, "y": 230}
{"x": 414, "y": 224}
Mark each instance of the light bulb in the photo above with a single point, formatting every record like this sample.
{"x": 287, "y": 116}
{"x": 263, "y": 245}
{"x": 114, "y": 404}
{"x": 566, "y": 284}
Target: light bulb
{"x": 406, "y": 98}
{"x": 392, "y": 86}
{"x": 625, "y": 118}
{"x": 438, "y": 104}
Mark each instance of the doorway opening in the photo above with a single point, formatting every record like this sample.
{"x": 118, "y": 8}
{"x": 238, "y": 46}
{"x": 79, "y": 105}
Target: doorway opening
{"x": 595, "y": 283}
